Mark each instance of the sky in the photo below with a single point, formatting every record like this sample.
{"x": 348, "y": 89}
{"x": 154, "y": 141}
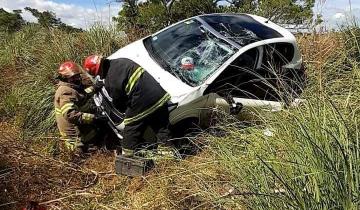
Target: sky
{"x": 77, "y": 13}
{"x": 335, "y": 12}
{"x": 84, "y": 13}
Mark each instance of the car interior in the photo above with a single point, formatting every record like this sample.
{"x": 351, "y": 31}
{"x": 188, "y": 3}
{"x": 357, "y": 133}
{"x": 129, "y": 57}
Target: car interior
{"x": 258, "y": 74}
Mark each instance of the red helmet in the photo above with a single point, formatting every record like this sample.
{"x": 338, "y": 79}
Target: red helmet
{"x": 69, "y": 69}
{"x": 92, "y": 64}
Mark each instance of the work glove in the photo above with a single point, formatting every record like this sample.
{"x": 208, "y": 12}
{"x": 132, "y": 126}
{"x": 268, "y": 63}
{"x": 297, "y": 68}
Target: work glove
{"x": 100, "y": 118}
{"x": 72, "y": 144}
{"x": 98, "y": 85}
{"x": 95, "y": 88}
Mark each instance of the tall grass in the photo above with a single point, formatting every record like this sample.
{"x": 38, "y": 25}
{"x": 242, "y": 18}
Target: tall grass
{"x": 34, "y": 53}
{"x": 312, "y": 158}
{"x": 305, "y": 157}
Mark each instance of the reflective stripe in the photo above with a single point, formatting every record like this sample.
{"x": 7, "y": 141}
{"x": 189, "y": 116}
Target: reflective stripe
{"x": 57, "y": 111}
{"x": 72, "y": 144}
{"x": 66, "y": 107}
{"x": 87, "y": 118}
{"x": 133, "y": 79}
{"x": 62, "y": 134}
{"x": 89, "y": 89}
{"x": 150, "y": 110}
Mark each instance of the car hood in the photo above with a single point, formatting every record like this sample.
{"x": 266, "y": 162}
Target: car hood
{"x": 137, "y": 52}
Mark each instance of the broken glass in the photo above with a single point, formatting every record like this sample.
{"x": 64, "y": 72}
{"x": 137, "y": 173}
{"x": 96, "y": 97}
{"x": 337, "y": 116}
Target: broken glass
{"x": 207, "y": 56}
{"x": 241, "y": 29}
{"x": 189, "y": 39}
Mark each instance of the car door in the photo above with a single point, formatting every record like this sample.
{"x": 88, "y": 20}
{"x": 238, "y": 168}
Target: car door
{"x": 246, "y": 81}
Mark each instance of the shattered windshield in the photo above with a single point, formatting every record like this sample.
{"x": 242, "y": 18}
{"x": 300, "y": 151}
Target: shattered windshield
{"x": 189, "y": 51}
{"x": 241, "y": 29}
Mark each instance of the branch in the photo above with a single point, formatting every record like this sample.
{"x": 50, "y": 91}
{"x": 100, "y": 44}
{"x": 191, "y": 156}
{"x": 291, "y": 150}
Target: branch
{"x": 170, "y": 3}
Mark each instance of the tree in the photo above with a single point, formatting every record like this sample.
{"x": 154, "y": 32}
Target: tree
{"x": 11, "y": 22}
{"x": 48, "y": 19}
{"x": 189, "y": 8}
{"x": 279, "y": 11}
{"x": 128, "y": 15}
{"x": 153, "y": 15}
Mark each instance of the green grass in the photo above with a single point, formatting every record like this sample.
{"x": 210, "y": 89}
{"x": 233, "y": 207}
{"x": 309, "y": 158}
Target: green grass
{"x": 312, "y": 160}
{"x": 34, "y": 53}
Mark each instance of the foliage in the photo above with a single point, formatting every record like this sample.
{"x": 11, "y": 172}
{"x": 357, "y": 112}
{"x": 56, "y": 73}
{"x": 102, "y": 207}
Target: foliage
{"x": 35, "y": 53}
{"x": 279, "y": 11}
{"x": 48, "y": 19}
{"x": 311, "y": 158}
{"x": 10, "y": 22}
{"x": 128, "y": 15}
{"x": 351, "y": 35}
{"x": 187, "y": 9}
{"x": 153, "y": 15}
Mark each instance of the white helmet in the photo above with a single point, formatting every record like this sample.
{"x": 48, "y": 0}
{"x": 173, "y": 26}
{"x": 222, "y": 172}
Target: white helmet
{"x": 187, "y": 63}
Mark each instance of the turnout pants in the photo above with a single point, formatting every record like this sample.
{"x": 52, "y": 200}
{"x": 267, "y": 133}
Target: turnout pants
{"x": 158, "y": 121}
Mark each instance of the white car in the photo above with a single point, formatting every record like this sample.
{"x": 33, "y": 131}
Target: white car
{"x": 230, "y": 52}
{"x": 236, "y": 58}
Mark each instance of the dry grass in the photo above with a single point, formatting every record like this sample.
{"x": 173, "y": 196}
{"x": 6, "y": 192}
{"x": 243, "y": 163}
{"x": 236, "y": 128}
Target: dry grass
{"x": 28, "y": 171}
{"x": 32, "y": 174}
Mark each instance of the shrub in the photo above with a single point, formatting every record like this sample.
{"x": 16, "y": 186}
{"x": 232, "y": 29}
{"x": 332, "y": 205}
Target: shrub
{"x": 305, "y": 157}
{"x": 35, "y": 53}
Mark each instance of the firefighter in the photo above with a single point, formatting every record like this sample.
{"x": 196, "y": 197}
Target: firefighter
{"x": 136, "y": 93}
{"x": 76, "y": 126}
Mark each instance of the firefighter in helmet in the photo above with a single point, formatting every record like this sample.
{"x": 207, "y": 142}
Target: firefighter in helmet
{"x": 136, "y": 93}
{"x": 75, "y": 123}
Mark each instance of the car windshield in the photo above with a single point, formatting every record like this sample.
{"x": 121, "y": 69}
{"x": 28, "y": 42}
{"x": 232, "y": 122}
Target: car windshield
{"x": 191, "y": 41}
{"x": 241, "y": 29}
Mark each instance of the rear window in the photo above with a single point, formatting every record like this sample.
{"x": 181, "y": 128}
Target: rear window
{"x": 242, "y": 29}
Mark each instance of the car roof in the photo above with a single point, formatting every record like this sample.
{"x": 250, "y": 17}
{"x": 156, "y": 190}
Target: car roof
{"x": 238, "y": 22}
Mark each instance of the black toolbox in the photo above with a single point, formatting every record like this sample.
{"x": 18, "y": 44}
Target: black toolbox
{"x": 134, "y": 166}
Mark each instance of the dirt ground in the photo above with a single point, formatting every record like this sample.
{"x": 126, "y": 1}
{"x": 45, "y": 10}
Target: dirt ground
{"x": 28, "y": 172}
{"x": 31, "y": 174}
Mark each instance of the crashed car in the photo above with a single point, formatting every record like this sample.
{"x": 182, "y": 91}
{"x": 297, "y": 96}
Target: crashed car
{"x": 236, "y": 60}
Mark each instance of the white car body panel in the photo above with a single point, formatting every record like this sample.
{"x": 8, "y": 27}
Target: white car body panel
{"x": 136, "y": 52}
{"x": 182, "y": 93}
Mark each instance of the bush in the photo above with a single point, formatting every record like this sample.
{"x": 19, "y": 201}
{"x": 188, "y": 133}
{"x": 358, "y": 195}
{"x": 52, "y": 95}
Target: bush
{"x": 35, "y": 53}
{"x": 351, "y": 37}
{"x": 305, "y": 157}
{"x": 300, "y": 158}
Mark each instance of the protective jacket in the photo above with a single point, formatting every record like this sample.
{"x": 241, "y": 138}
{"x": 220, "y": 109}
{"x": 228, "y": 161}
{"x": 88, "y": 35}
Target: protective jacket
{"x": 133, "y": 90}
{"x": 70, "y": 102}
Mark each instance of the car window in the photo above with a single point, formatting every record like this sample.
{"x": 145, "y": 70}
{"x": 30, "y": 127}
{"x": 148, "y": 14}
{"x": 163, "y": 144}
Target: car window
{"x": 192, "y": 40}
{"x": 242, "y": 79}
{"x": 264, "y": 79}
{"x": 242, "y": 29}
